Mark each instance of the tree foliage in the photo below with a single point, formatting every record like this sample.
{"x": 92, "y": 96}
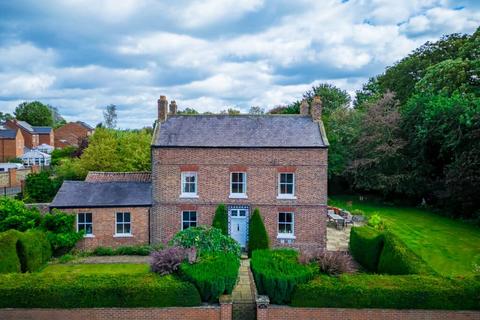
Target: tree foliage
{"x": 40, "y": 187}
{"x": 110, "y": 116}
{"x": 35, "y": 113}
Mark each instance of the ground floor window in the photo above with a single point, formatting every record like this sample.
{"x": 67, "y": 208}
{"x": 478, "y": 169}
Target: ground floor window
{"x": 189, "y": 219}
{"x": 285, "y": 223}
{"x": 85, "y": 223}
{"x": 123, "y": 223}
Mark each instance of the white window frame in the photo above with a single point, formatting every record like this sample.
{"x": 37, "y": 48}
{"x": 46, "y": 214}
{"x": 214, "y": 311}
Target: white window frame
{"x": 183, "y": 181}
{"x": 89, "y": 235}
{"x": 189, "y": 221}
{"x": 123, "y": 223}
{"x": 238, "y": 195}
{"x": 286, "y": 195}
{"x": 286, "y": 235}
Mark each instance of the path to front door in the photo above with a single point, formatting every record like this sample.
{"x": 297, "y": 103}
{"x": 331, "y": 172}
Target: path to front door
{"x": 238, "y": 225}
{"x": 243, "y": 296}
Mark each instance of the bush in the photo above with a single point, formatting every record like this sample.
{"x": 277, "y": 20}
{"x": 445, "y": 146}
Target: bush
{"x": 168, "y": 260}
{"x": 277, "y": 272}
{"x": 391, "y": 292}
{"x": 33, "y": 249}
{"x": 14, "y": 215}
{"x": 139, "y": 250}
{"x": 61, "y": 232}
{"x": 334, "y": 263}
{"x": 396, "y": 258}
{"x": 206, "y": 240}
{"x": 41, "y": 290}
{"x": 9, "y": 261}
{"x": 220, "y": 220}
{"x": 258, "y": 237}
{"x": 213, "y": 275}
{"x": 40, "y": 187}
{"x": 376, "y": 222}
{"x": 365, "y": 246}
{"x": 103, "y": 251}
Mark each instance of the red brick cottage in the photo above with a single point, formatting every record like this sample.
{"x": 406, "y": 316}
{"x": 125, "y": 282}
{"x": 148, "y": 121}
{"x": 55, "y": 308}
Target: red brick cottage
{"x": 277, "y": 163}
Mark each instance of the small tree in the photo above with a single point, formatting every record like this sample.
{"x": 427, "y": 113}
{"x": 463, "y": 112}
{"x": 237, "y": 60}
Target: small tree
{"x": 220, "y": 220}
{"x": 258, "y": 237}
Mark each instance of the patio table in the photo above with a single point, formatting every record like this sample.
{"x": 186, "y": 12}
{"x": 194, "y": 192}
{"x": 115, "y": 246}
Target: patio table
{"x": 339, "y": 220}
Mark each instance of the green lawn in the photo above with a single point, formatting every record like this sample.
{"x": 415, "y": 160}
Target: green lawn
{"x": 117, "y": 268}
{"x": 450, "y": 247}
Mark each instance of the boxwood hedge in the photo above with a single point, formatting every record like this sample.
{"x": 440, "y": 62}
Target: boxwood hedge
{"x": 9, "y": 261}
{"x": 33, "y": 249}
{"x": 277, "y": 272}
{"x": 365, "y": 246}
{"x": 38, "y": 290}
{"x": 390, "y": 292}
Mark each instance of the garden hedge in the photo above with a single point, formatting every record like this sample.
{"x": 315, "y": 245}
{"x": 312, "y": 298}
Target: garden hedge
{"x": 33, "y": 250}
{"x": 39, "y": 290}
{"x": 389, "y": 292}
{"x": 220, "y": 220}
{"x": 258, "y": 236}
{"x": 213, "y": 275}
{"x": 277, "y": 272}
{"x": 9, "y": 261}
{"x": 365, "y": 246}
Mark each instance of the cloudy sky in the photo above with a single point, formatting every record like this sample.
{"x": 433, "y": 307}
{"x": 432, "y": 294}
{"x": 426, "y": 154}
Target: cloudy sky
{"x": 81, "y": 55}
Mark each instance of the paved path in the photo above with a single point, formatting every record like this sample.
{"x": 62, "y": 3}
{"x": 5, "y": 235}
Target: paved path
{"x": 243, "y": 295}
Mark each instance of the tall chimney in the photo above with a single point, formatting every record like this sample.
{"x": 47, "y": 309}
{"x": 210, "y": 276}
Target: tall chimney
{"x": 173, "y": 107}
{"x": 316, "y": 109}
{"x": 304, "y": 108}
{"x": 162, "y": 109}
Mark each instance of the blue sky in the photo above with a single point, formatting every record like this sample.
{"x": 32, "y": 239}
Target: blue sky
{"x": 80, "y": 56}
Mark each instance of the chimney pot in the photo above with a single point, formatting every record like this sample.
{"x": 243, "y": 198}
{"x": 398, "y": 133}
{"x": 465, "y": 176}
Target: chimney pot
{"x": 316, "y": 109}
{"x": 304, "y": 108}
{"x": 162, "y": 109}
{"x": 173, "y": 107}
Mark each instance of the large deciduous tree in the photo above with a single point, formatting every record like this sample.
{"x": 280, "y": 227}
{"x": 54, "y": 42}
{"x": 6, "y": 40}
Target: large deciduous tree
{"x": 35, "y": 113}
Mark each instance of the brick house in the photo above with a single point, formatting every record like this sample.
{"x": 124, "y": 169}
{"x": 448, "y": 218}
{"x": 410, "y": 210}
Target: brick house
{"x": 71, "y": 134}
{"x": 33, "y": 135}
{"x": 11, "y": 144}
{"x": 277, "y": 163}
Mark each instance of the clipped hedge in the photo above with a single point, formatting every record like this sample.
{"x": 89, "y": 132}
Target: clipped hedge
{"x": 390, "y": 292}
{"x": 396, "y": 258}
{"x": 39, "y": 290}
{"x": 137, "y": 250}
{"x": 9, "y": 261}
{"x": 220, "y": 220}
{"x": 277, "y": 272}
{"x": 213, "y": 275}
{"x": 365, "y": 246}
{"x": 34, "y": 250}
{"x": 258, "y": 236}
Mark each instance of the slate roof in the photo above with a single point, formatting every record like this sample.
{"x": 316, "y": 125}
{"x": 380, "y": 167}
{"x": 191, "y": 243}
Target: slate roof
{"x": 25, "y": 125}
{"x": 81, "y": 194}
{"x": 96, "y": 176}
{"x": 85, "y": 125}
{"x": 33, "y": 129}
{"x": 8, "y": 134}
{"x": 239, "y": 131}
{"x": 42, "y": 129}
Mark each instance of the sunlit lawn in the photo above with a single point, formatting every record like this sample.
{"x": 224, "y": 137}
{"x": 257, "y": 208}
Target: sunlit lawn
{"x": 129, "y": 268}
{"x": 450, "y": 247}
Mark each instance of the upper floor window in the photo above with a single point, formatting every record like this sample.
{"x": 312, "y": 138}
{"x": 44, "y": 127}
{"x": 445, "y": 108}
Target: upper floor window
{"x": 238, "y": 184}
{"x": 85, "y": 223}
{"x": 189, "y": 184}
{"x": 286, "y": 185}
{"x": 285, "y": 224}
{"x": 189, "y": 219}
{"x": 123, "y": 225}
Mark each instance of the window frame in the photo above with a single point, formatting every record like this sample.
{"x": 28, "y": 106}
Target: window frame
{"x": 190, "y": 221}
{"x": 286, "y": 195}
{"x": 242, "y": 195}
{"x": 86, "y": 235}
{"x": 283, "y": 235}
{"x": 183, "y": 182}
{"x": 123, "y": 223}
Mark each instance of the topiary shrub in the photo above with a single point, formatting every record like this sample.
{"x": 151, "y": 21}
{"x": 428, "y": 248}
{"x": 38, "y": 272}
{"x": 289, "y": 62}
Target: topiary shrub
{"x": 213, "y": 275}
{"x": 397, "y": 258}
{"x": 206, "y": 240}
{"x": 365, "y": 246}
{"x": 9, "y": 261}
{"x": 220, "y": 220}
{"x": 258, "y": 236}
{"x": 168, "y": 260}
{"x": 33, "y": 249}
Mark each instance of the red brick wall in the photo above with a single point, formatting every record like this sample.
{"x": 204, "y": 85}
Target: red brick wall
{"x": 11, "y": 148}
{"x": 262, "y": 167}
{"x": 71, "y": 132}
{"x": 104, "y": 227}
{"x": 47, "y": 139}
{"x": 289, "y": 313}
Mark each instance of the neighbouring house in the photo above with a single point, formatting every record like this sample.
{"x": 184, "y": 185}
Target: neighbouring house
{"x": 276, "y": 163}
{"x": 112, "y": 208}
{"x": 36, "y": 157}
{"x": 11, "y": 144}
{"x": 33, "y": 135}
{"x": 71, "y": 134}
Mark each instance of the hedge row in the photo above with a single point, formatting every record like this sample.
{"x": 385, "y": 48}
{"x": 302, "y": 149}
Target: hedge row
{"x": 9, "y": 261}
{"x": 390, "y": 292}
{"x": 138, "y": 250}
{"x": 40, "y": 290}
{"x": 213, "y": 275}
{"x": 383, "y": 252}
{"x": 277, "y": 272}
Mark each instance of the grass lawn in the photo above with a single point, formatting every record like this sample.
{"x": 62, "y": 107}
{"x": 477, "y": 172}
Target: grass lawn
{"x": 117, "y": 268}
{"x": 450, "y": 247}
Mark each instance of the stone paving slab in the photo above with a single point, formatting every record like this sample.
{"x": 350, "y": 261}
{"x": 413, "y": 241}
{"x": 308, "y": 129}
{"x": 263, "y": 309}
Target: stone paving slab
{"x": 244, "y": 307}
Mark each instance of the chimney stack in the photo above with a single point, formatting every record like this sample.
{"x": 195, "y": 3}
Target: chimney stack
{"x": 304, "y": 108}
{"x": 316, "y": 109}
{"x": 162, "y": 109}
{"x": 173, "y": 107}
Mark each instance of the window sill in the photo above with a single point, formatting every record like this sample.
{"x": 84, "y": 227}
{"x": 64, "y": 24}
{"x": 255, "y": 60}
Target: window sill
{"x": 286, "y": 197}
{"x": 89, "y": 236}
{"x": 189, "y": 196}
{"x": 238, "y": 196}
{"x": 123, "y": 235}
{"x": 286, "y": 236}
